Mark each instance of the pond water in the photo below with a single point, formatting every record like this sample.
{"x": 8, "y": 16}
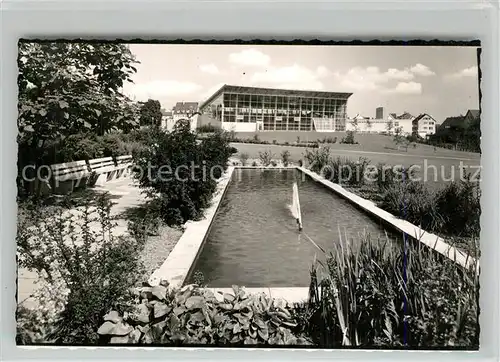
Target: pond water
{"x": 254, "y": 240}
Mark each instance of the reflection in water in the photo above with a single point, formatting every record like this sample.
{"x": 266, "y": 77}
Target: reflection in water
{"x": 254, "y": 240}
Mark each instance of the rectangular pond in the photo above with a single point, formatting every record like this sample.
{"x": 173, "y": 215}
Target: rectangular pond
{"x": 254, "y": 240}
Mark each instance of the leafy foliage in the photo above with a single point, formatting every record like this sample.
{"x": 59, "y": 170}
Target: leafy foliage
{"x": 363, "y": 297}
{"x": 207, "y": 128}
{"x": 80, "y": 259}
{"x": 285, "y": 157}
{"x": 196, "y": 316}
{"x": 400, "y": 140}
{"x": 317, "y": 159}
{"x": 349, "y": 139}
{"x": 180, "y": 174}
{"x": 265, "y": 158}
{"x": 244, "y": 158}
{"x": 150, "y": 113}
{"x": 70, "y": 88}
{"x": 346, "y": 171}
{"x": 454, "y": 210}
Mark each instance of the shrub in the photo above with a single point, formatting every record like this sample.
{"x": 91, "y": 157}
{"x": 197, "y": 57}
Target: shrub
{"x": 207, "y": 128}
{"x": 265, "y": 158}
{"x": 454, "y": 210}
{"x": 254, "y": 164}
{"x": 414, "y": 202}
{"x": 274, "y": 163}
{"x": 256, "y": 138}
{"x": 195, "y": 316}
{"x": 79, "y": 147}
{"x": 183, "y": 173}
{"x": 298, "y": 139}
{"x": 349, "y": 139}
{"x": 318, "y": 159}
{"x": 387, "y": 176}
{"x": 362, "y": 297}
{"x": 346, "y": 171}
{"x": 74, "y": 254}
{"x": 285, "y": 157}
{"x": 274, "y": 142}
{"x": 460, "y": 206}
{"x": 244, "y": 158}
{"x": 328, "y": 140}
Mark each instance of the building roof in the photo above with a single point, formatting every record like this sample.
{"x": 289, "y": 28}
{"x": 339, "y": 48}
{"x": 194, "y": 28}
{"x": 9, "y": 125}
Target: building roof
{"x": 422, "y": 115}
{"x": 185, "y": 107}
{"x": 274, "y": 91}
{"x": 473, "y": 112}
{"x": 166, "y": 113}
{"x": 452, "y": 122}
{"x": 405, "y": 115}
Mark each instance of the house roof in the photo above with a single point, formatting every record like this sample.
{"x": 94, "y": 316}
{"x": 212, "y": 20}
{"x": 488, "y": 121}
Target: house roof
{"x": 274, "y": 91}
{"x": 422, "y": 115}
{"x": 452, "y": 122}
{"x": 473, "y": 112}
{"x": 185, "y": 107}
{"x": 405, "y": 115}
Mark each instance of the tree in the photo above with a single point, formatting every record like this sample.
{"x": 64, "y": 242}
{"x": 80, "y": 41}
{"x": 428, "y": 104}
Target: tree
{"x": 369, "y": 125}
{"x": 67, "y": 88}
{"x": 399, "y": 139}
{"x": 150, "y": 113}
{"x": 182, "y": 172}
{"x": 389, "y": 126}
{"x": 354, "y": 123}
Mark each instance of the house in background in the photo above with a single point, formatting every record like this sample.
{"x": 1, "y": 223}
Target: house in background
{"x": 471, "y": 116}
{"x": 423, "y": 125}
{"x": 167, "y": 119}
{"x": 403, "y": 122}
{"x": 185, "y": 110}
{"x": 460, "y": 122}
{"x": 364, "y": 124}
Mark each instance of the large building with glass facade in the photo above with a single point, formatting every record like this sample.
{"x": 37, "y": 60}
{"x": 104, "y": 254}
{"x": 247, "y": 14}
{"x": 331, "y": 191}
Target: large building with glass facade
{"x": 249, "y": 109}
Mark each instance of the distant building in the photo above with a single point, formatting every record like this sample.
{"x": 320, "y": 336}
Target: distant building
{"x": 403, "y": 122}
{"x": 470, "y": 116}
{"x": 186, "y": 110}
{"x": 363, "y": 124}
{"x": 379, "y": 113}
{"x": 166, "y": 119}
{"x": 250, "y": 109}
{"x": 452, "y": 123}
{"x": 460, "y": 122}
{"x": 423, "y": 125}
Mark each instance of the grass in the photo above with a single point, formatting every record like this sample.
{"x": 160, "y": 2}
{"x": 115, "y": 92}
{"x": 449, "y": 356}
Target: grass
{"x": 367, "y": 142}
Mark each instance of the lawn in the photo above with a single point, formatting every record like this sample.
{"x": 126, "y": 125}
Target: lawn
{"x": 367, "y": 142}
{"x": 437, "y": 168}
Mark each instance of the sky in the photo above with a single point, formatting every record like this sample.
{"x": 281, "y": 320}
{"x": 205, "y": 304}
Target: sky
{"x": 440, "y": 81}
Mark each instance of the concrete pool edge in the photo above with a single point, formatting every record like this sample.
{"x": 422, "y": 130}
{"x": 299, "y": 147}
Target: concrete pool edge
{"x": 430, "y": 240}
{"x": 176, "y": 267}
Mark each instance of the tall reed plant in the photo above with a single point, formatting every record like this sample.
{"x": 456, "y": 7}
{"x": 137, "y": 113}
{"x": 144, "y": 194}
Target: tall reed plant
{"x": 374, "y": 293}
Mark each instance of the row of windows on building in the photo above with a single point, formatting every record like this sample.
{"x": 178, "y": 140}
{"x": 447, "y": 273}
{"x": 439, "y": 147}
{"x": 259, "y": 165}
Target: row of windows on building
{"x": 290, "y": 123}
{"x": 269, "y": 101}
